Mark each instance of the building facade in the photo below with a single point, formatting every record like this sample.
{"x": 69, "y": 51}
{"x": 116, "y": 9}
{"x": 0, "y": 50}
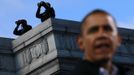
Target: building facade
{"x": 50, "y": 49}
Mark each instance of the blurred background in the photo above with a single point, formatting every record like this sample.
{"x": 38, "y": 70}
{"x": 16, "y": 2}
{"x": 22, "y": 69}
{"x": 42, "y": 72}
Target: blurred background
{"x": 12, "y": 10}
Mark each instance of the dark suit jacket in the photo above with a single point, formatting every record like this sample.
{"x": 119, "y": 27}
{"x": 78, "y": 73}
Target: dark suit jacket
{"x": 88, "y": 68}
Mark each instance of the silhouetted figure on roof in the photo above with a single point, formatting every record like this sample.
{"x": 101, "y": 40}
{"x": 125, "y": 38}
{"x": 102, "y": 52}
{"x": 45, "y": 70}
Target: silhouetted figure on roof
{"x": 24, "y": 27}
{"x": 49, "y": 11}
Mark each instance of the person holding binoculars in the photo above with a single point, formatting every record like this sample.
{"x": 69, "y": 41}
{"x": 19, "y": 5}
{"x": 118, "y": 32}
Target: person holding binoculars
{"x": 24, "y": 27}
{"x": 49, "y": 12}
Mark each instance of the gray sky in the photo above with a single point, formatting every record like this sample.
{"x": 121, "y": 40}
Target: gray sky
{"x": 12, "y": 10}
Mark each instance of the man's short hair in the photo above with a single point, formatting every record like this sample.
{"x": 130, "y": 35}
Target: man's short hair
{"x": 23, "y": 20}
{"x": 96, "y": 11}
{"x": 48, "y": 4}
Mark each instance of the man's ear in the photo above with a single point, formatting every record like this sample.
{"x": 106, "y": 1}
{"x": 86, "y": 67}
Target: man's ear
{"x": 79, "y": 42}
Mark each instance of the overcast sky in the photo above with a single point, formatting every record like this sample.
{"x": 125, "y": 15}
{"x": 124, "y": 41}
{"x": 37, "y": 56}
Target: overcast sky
{"x": 12, "y": 10}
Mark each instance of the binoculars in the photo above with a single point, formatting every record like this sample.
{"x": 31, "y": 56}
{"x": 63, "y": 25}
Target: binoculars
{"x": 20, "y": 21}
{"x": 41, "y": 3}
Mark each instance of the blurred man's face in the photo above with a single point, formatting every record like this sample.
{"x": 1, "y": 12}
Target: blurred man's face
{"x": 99, "y": 38}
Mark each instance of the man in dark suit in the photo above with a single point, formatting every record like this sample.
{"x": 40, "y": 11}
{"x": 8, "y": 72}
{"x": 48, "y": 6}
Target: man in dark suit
{"x": 49, "y": 12}
{"x": 98, "y": 39}
{"x": 24, "y": 27}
